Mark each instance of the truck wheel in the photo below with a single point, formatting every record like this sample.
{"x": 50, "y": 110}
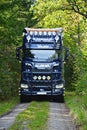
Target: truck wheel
{"x": 61, "y": 98}
{"x": 22, "y": 99}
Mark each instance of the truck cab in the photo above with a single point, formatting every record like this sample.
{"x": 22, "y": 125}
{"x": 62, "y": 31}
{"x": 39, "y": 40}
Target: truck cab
{"x": 41, "y": 64}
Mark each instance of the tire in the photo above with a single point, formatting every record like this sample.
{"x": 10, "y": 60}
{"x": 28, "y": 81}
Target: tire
{"x": 24, "y": 98}
{"x": 61, "y": 99}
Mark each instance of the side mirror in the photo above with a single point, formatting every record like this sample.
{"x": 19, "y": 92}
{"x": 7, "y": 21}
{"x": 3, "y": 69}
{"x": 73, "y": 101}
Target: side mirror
{"x": 66, "y": 54}
{"x": 18, "y": 53}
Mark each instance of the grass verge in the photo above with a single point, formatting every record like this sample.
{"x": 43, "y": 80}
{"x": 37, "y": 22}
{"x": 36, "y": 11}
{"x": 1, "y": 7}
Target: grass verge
{"x": 78, "y": 108}
{"x": 33, "y": 118}
{"x": 7, "y": 105}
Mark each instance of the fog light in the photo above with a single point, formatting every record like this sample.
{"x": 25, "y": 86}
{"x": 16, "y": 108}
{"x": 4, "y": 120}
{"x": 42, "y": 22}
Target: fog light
{"x": 48, "y": 77}
{"x": 44, "y": 77}
{"x": 39, "y": 77}
{"x": 35, "y": 77}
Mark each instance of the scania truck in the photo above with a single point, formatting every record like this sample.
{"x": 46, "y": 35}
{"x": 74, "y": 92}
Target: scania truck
{"x": 42, "y": 59}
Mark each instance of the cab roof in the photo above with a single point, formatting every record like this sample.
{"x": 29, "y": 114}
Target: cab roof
{"x": 57, "y": 30}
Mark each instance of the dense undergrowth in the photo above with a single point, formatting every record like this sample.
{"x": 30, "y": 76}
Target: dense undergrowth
{"x": 9, "y": 73}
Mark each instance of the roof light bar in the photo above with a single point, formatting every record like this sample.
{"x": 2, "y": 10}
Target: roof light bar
{"x": 58, "y": 30}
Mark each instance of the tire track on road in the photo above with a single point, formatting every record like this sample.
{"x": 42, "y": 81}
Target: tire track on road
{"x": 59, "y": 118}
{"x": 7, "y": 120}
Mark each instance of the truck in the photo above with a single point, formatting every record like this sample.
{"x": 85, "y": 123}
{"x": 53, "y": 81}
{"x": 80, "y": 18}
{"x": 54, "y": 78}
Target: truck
{"x": 42, "y": 56}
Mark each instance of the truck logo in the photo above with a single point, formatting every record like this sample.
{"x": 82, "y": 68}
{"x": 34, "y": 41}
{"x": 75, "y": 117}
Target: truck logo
{"x": 41, "y": 66}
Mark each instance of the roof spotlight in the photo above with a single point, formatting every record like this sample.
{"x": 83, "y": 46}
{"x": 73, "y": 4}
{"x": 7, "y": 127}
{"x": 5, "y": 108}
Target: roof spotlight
{"x": 49, "y": 33}
{"x": 54, "y": 33}
{"x": 40, "y": 33}
{"x": 36, "y": 33}
{"x": 31, "y": 33}
{"x": 45, "y": 33}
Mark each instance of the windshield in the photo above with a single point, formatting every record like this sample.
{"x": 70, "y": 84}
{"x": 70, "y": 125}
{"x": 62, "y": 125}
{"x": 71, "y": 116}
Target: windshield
{"x": 41, "y": 54}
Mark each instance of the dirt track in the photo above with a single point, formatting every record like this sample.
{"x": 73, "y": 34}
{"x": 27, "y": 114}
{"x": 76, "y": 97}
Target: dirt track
{"x": 59, "y": 118}
{"x": 7, "y": 120}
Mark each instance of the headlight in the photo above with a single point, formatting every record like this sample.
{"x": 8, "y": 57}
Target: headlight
{"x": 59, "y": 86}
{"x": 24, "y": 86}
{"x": 55, "y": 64}
{"x": 28, "y": 64}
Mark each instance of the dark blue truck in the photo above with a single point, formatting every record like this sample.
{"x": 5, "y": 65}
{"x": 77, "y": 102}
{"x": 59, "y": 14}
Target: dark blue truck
{"x": 42, "y": 64}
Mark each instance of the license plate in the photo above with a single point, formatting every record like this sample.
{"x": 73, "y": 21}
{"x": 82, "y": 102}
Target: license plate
{"x": 41, "y": 93}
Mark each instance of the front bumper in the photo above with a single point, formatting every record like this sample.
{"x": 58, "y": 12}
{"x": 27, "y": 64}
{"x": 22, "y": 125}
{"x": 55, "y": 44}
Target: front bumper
{"x": 41, "y": 87}
{"x": 42, "y": 92}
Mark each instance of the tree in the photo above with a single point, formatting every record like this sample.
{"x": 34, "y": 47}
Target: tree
{"x": 15, "y": 15}
{"x": 59, "y": 13}
{"x": 79, "y": 6}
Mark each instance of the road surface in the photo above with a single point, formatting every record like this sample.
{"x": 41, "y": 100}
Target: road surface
{"x": 7, "y": 120}
{"x": 59, "y": 117}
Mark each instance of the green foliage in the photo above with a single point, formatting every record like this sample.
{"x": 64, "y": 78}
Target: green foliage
{"x": 14, "y": 17}
{"x": 81, "y": 83}
{"x": 9, "y": 78}
{"x": 7, "y": 106}
{"x": 53, "y": 14}
{"x": 79, "y": 6}
{"x": 78, "y": 108}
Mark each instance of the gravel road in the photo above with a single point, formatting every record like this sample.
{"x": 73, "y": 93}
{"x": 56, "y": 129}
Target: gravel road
{"x": 7, "y": 120}
{"x": 59, "y": 118}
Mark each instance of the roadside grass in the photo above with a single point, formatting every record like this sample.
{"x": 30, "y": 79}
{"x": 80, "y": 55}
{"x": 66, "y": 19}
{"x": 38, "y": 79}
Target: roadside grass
{"x": 7, "y": 105}
{"x": 33, "y": 118}
{"x": 78, "y": 109}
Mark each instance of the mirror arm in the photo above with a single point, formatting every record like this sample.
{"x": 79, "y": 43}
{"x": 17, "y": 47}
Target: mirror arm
{"x": 18, "y": 53}
{"x": 66, "y": 53}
